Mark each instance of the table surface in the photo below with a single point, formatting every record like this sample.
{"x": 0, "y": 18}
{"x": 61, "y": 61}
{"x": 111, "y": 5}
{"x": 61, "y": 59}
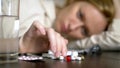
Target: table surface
{"x": 105, "y": 60}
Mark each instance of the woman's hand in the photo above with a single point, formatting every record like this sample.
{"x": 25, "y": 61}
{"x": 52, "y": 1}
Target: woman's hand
{"x": 39, "y": 39}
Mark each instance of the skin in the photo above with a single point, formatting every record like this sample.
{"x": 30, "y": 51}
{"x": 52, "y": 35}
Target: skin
{"x": 117, "y": 4}
{"x": 80, "y": 20}
{"x": 39, "y": 39}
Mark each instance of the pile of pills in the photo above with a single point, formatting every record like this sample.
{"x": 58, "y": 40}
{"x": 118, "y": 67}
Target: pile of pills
{"x": 71, "y": 56}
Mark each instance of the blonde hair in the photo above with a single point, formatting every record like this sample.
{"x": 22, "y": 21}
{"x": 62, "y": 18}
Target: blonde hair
{"x": 106, "y": 7}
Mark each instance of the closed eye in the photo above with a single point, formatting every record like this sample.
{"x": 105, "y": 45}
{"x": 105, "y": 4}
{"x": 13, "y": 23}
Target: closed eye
{"x": 80, "y": 15}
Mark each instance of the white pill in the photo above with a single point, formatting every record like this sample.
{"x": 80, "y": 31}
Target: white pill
{"x": 78, "y": 58}
{"x": 61, "y": 58}
{"x": 40, "y": 58}
{"x": 74, "y": 53}
{"x": 69, "y": 53}
{"x": 50, "y": 52}
{"x": 73, "y": 57}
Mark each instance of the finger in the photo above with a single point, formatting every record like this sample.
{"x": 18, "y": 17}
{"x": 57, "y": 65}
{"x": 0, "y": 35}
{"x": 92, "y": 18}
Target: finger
{"x": 39, "y": 27}
{"x": 52, "y": 40}
{"x": 64, "y": 47}
{"x": 58, "y": 45}
{"x": 66, "y": 41}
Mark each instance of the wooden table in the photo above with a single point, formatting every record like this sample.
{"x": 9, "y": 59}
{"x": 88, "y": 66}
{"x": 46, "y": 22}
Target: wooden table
{"x": 105, "y": 60}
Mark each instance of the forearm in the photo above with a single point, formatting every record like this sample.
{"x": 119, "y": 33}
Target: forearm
{"x": 107, "y": 41}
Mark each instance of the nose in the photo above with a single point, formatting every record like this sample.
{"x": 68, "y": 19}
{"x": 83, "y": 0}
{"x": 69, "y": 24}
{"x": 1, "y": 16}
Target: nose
{"x": 75, "y": 24}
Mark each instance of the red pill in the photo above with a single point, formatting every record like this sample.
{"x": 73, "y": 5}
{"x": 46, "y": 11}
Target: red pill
{"x": 68, "y": 58}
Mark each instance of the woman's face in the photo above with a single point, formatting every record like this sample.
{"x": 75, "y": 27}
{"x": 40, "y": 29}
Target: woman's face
{"x": 80, "y": 20}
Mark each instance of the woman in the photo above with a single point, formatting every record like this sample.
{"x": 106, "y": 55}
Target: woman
{"x": 77, "y": 20}
{"x": 107, "y": 40}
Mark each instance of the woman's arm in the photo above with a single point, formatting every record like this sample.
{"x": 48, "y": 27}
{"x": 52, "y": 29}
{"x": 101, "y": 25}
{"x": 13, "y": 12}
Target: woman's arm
{"x": 33, "y": 39}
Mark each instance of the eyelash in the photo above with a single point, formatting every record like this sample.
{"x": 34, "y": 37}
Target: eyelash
{"x": 80, "y": 15}
{"x": 84, "y": 31}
